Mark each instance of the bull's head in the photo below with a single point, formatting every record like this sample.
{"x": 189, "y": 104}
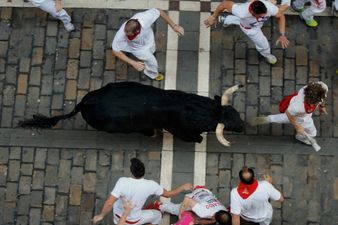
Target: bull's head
{"x": 230, "y": 119}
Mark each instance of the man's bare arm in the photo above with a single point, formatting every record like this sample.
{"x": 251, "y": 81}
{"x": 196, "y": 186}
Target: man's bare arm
{"x": 139, "y": 66}
{"x": 281, "y": 25}
{"x": 107, "y": 207}
{"x": 236, "y": 220}
{"x": 178, "y": 29}
{"x": 225, "y": 5}
{"x": 176, "y": 191}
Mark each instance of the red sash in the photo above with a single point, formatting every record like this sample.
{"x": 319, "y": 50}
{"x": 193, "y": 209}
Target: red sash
{"x": 284, "y": 104}
{"x": 245, "y": 190}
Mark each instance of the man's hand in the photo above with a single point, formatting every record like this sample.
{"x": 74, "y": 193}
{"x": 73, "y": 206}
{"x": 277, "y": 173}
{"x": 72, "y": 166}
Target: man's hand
{"x": 187, "y": 187}
{"x": 58, "y": 6}
{"x": 211, "y": 21}
{"x": 139, "y": 66}
{"x": 322, "y": 111}
{"x": 268, "y": 178}
{"x": 179, "y": 30}
{"x": 300, "y": 130}
{"x": 128, "y": 206}
{"x": 97, "y": 218}
{"x": 283, "y": 41}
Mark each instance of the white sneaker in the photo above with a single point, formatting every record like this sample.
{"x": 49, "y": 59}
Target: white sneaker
{"x": 69, "y": 27}
{"x": 221, "y": 20}
{"x": 303, "y": 139}
{"x": 271, "y": 59}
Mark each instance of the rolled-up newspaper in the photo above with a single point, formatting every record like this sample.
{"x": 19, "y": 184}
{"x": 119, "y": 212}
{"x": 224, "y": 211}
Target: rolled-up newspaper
{"x": 313, "y": 142}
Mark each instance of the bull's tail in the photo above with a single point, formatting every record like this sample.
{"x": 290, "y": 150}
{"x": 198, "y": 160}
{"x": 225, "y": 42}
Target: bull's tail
{"x": 41, "y": 121}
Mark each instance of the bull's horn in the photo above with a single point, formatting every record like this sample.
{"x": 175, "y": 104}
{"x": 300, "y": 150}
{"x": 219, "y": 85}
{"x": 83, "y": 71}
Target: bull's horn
{"x": 228, "y": 92}
{"x": 220, "y": 136}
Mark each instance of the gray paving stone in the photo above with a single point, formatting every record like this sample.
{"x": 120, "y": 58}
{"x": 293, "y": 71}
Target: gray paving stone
{"x": 23, "y": 204}
{"x": 7, "y": 116}
{"x": 78, "y": 159}
{"x": 52, "y": 29}
{"x": 34, "y": 216}
{"x": 11, "y": 193}
{"x": 8, "y": 95}
{"x": 104, "y": 158}
{"x": 27, "y": 169}
{"x": 35, "y": 76}
{"x": 5, "y": 28}
{"x": 84, "y": 78}
{"x": 264, "y": 86}
{"x": 25, "y": 185}
{"x": 98, "y": 50}
{"x": 49, "y": 195}
{"x": 4, "y": 155}
{"x": 100, "y": 32}
{"x": 51, "y": 175}
{"x": 85, "y": 59}
{"x": 27, "y": 154}
{"x": 13, "y": 170}
{"x": 11, "y": 74}
{"x": 36, "y": 198}
{"x": 63, "y": 38}
{"x": 50, "y": 47}
{"x": 61, "y": 59}
{"x": 97, "y": 69}
{"x": 48, "y": 66}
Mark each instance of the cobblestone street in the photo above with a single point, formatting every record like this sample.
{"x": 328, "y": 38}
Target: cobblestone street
{"x": 63, "y": 175}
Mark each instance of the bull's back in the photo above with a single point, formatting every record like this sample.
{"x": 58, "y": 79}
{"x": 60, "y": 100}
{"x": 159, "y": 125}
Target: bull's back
{"x": 129, "y": 107}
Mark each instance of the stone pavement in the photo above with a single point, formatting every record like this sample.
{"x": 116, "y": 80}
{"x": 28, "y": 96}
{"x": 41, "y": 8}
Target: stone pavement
{"x": 52, "y": 177}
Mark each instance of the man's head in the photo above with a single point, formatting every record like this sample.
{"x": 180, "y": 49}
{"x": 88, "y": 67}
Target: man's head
{"x": 132, "y": 28}
{"x": 137, "y": 168}
{"x": 314, "y": 93}
{"x": 247, "y": 175}
{"x": 223, "y": 218}
{"x": 258, "y": 9}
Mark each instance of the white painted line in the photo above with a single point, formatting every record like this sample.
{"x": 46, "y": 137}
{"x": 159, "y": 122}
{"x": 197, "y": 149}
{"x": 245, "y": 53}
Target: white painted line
{"x": 202, "y": 89}
{"x": 170, "y": 83}
{"x": 190, "y": 6}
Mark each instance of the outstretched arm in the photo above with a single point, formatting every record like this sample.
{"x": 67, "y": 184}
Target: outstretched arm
{"x": 178, "y": 29}
{"x": 225, "y": 5}
{"x": 139, "y": 66}
{"x": 293, "y": 121}
{"x": 176, "y": 191}
{"x": 283, "y": 40}
{"x": 58, "y": 6}
{"x": 188, "y": 203}
{"x": 107, "y": 207}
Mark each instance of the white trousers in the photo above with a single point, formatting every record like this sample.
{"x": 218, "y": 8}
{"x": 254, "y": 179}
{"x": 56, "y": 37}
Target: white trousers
{"x": 49, "y": 7}
{"x": 306, "y": 122}
{"x": 317, "y": 6}
{"x": 171, "y": 208}
{"x": 148, "y": 216}
{"x": 255, "y": 34}
{"x": 150, "y": 62}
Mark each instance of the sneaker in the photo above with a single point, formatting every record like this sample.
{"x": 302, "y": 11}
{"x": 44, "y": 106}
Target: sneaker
{"x": 259, "y": 120}
{"x": 271, "y": 59}
{"x": 221, "y": 19}
{"x": 154, "y": 205}
{"x": 159, "y": 77}
{"x": 302, "y": 139}
{"x": 300, "y": 10}
{"x": 69, "y": 27}
{"x": 311, "y": 23}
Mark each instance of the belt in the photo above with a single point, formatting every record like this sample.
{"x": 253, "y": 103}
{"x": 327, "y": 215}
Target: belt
{"x": 247, "y": 28}
{"x": 127, "y": 221}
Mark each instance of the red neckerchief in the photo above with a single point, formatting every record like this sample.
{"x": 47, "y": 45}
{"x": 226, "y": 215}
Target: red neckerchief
{"x": 138, "y": 31}
{"x": 309, "y": 108}
{"x": 245, "y": 190}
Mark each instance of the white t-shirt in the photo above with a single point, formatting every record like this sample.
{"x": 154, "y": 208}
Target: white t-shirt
{"x": 207, "y": 204}
{"x": 136, "y": 191}
{"x": 256, "y": 207}
{"x": 37, "y": 2}
{"x": 247, "y": 20}
{"x": 144, "y": 40}
{"x": 296, "y": 106}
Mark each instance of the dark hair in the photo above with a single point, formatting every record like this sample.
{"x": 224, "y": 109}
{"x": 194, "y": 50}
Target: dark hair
{"x": 132, "y": 26}
{"x": 258, "y": 7}
{"x": 223, "y": 217}
{"x": 314, "y": 93}
{"x": 244, "y": 179}
{"x": 137, "y": 168}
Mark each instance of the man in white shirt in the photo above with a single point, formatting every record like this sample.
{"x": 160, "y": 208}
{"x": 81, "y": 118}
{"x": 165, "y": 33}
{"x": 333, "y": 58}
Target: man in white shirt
{"x": 298, "y": 108}
{"x": 250, "y": 199}
{"x": 317, "y": 6}
{"x": 137, "y": 37}
{"x": 203, "y": 203}
{"x": 136, "y": 189}
{"x": 53, "y": 7}
{"x": 250, "y": 17}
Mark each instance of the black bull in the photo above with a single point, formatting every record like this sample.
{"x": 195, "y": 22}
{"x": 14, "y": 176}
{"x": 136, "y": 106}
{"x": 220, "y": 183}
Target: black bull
{"x": 133, "y": 107}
